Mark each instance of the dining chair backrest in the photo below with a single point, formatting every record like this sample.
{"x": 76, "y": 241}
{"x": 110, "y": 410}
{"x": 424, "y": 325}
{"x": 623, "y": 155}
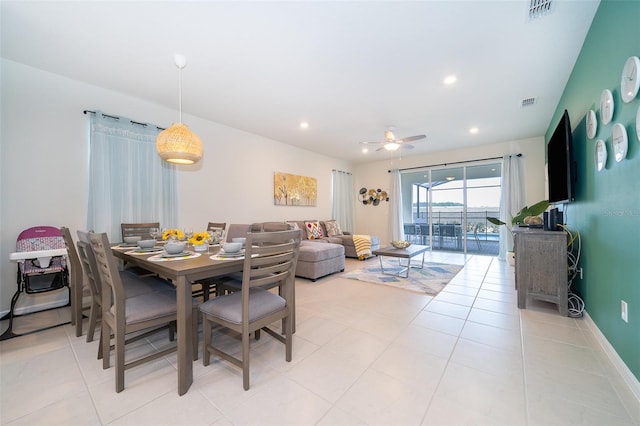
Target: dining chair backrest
{"x": 213, "y": 226}
{"x": 270, "y": 260}
{"x": 138, "y": 229}
{"x": 107, "y": 268}
{"x": 237, "y": 230}
{"x": 90, "y": 268}
{"x": 76, "y": 268}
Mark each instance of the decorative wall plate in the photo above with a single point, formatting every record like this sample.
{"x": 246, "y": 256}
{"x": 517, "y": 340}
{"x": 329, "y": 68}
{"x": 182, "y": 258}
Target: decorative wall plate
{"x": 601, "y": 155}
{"x": 592, "y": 124}
{"x": 619, "y": 141}
{"x": 630, "y": 79}
{"x": 606, "y": 107}
{"x": 638, "y": 124}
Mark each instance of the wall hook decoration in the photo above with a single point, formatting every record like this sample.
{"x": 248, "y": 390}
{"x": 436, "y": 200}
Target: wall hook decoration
{"x": 372, "y": 196}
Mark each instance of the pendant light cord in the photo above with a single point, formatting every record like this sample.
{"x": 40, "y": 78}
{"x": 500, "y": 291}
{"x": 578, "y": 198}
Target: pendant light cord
{"x": 180, "y": 92}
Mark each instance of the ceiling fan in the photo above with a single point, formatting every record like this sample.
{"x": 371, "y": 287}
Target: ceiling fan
{"x": 391, "y": 143}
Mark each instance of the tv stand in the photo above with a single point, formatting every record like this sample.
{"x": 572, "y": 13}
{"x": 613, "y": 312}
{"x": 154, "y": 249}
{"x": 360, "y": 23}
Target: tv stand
{"x": 541, "y": 267}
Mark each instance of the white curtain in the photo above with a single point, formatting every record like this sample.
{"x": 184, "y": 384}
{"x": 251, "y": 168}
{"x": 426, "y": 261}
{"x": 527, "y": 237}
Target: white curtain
{"x": 511, "y": 200}
{"x": 397, "y": 223}
{"x": 128, "y": 182}
{"x": 342, "y": 200}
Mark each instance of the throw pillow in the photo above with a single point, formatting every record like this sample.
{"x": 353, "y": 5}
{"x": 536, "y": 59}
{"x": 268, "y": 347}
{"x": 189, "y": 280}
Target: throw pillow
{"x": 314, "y": 230}
{"x": 293, "y": 226}
{"x": 333, "y": 229}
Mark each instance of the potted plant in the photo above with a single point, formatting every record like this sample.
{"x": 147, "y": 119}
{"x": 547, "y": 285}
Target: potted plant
{"x": 528, "y": 215}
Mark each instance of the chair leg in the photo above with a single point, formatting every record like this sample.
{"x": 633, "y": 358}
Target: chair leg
{"x": 119, "y": 350}
{"x": 194, "y": 333}
{"x": 93, "y": 319}
{"x": 100, "y": 345}
{"x": 105, "y": 336}
{"x": 206, "y": 340}
{"x": 245, "y": 360}
{"x": 288, "y": 338}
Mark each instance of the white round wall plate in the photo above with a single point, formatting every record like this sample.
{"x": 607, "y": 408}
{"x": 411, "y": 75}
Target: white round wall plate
{"x": 630, "y": 79}
{"x": 606, "y": 107}
{"x": 601, "y": 155}
{"x": 592, "y": 124}
{"x": 638, "y": 124}
{"x": 619, "y": 141}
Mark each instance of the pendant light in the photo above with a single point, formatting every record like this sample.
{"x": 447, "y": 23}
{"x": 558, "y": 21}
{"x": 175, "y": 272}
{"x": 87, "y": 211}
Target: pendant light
{"x": 178, "y": 144}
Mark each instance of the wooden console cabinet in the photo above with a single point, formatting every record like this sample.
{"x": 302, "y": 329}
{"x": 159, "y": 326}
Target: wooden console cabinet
{"x": 541, "y": 266}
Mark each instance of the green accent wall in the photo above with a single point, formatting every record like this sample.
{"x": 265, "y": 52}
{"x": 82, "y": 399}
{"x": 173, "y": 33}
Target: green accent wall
{"x": 607, "y": 207}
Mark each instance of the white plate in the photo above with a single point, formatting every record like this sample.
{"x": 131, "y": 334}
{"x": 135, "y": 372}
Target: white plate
{"x": 619, "y": 141}
{"x": 600, "y": 155}
{"x": 183, "y": 254}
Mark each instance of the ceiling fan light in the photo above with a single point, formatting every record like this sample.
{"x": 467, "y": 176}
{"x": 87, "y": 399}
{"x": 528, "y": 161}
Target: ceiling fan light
{"x": 388, "y": 135}
{"x": 179, "y": 145}
{"x": 391, "y": 146}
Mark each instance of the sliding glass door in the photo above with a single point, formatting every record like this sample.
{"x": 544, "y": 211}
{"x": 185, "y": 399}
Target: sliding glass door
{"x": 447, "y": 207}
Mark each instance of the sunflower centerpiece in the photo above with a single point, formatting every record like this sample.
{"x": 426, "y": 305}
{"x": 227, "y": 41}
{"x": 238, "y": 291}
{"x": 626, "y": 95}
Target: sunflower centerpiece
{"x": 173, "y": 234}
{"x": 200, "y": 241}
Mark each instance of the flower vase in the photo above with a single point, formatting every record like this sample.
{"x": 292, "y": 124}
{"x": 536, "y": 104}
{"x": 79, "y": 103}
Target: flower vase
{"x": 201, "y": 247}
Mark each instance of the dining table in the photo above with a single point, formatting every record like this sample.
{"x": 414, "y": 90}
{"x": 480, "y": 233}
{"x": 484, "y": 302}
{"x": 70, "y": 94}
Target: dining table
{"x": 182, "y": 271}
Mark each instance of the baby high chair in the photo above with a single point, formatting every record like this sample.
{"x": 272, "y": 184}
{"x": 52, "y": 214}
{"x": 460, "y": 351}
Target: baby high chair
{"x": 42, "y": 266}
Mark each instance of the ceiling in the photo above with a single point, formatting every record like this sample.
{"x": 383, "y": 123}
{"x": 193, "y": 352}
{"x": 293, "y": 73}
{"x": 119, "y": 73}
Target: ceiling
{"x": 349, "y": 69}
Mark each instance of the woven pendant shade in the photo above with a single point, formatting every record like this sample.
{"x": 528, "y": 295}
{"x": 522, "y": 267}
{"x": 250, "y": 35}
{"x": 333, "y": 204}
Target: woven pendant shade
{"x": 179, "y": 145}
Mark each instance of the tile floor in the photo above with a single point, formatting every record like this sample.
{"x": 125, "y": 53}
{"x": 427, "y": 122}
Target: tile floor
{"x": 363, "y": 354}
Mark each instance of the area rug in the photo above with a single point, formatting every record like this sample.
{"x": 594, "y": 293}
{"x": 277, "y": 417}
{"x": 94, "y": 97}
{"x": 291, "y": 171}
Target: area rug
{"x": 429, "y": 280}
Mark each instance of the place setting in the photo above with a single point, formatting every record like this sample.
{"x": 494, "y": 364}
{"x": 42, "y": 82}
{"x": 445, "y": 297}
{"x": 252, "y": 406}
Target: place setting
{"x": 173, "y": 250}
{"x": 230, "y": 251}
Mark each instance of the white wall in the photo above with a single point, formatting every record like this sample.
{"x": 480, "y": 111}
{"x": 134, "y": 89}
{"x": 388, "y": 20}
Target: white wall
{"x": 44, "y": 158}
{"x": 375, "y": 219}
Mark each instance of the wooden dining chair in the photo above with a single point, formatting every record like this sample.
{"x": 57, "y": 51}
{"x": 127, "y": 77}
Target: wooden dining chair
{"x": 204, "y": 288}
{"x": 132, "y": 287}
{"x": 138, "y": 229}
{"x": 270, "y": 261}
{"x": 122, "y": 315}
{"x": 75, "y": 281}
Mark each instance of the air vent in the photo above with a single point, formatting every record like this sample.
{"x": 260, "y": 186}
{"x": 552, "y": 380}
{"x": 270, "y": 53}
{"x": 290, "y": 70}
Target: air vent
{"x": 528, "y": 102}
{"x": 538, "y": 8}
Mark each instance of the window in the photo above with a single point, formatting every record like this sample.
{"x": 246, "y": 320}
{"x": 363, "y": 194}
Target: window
{"x": 128, "y": 182}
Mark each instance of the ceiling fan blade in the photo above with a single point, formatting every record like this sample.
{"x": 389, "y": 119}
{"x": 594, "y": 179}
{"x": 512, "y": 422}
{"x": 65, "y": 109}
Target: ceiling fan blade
{"x": 371, "y": 143}
{"x": 413, "y": 138}
{"x": 406, "y": 146}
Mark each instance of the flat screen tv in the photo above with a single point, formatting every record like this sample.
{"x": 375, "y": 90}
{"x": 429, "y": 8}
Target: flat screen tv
{"x": 561, "y": 168}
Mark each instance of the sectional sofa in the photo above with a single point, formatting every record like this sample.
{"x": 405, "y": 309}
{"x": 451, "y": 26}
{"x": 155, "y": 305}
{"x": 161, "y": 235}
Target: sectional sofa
{"x": 318, "y": 256}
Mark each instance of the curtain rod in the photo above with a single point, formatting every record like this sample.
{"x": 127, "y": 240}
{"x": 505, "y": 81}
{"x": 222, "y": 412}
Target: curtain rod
{"x": 340, "y": 171}
{"x": 115, "y": 117}
{"x": 457, "y": 162}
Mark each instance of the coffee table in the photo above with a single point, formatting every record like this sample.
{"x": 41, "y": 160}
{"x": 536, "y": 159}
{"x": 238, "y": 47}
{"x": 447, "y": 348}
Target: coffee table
{"x": 406, "y": 253}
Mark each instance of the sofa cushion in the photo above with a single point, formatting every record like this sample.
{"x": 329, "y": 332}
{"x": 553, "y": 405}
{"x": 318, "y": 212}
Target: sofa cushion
{"x": 333, "y": 228}
{"x": 314, "y": 230}
{"x": 313, "y": 252}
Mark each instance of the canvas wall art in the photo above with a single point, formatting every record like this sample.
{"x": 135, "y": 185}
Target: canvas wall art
{"x": 294, "y": 190}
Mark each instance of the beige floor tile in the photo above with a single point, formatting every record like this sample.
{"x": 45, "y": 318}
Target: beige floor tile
{"x": 362, "y": 354}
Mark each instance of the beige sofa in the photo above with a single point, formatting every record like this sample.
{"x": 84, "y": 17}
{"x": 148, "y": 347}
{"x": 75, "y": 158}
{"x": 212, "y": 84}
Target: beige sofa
{"x": 315, "y": 259}
{"x": 345, "y": 239}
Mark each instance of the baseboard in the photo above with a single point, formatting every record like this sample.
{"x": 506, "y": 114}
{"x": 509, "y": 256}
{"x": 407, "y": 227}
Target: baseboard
{"x": 618, "y": 363}
{"x": 36, "y": 308}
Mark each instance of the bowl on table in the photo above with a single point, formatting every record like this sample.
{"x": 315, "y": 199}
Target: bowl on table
{"x": 146, "y": 244}
{"x": 232, "y": 247}
{"x": 174, "y": 247}
{"x": 132, "y": 240}
{"x": 399, "y": 244}
{"x": 241, "y": 240}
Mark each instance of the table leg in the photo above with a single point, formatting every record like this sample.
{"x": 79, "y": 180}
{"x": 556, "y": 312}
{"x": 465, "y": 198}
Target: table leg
{"x": 184, "y": 326}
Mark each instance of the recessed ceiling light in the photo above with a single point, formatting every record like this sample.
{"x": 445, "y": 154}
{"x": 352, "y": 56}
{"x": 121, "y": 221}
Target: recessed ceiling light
{"x": 365, "y": 150}
{"x": 450, "y": 79}
{"x": 304, "y": 125}
{"x": 474, "y": 130}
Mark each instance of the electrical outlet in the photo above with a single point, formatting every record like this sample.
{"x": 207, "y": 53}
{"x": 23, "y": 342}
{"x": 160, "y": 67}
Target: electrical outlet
{"x": 624, "y": 313}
